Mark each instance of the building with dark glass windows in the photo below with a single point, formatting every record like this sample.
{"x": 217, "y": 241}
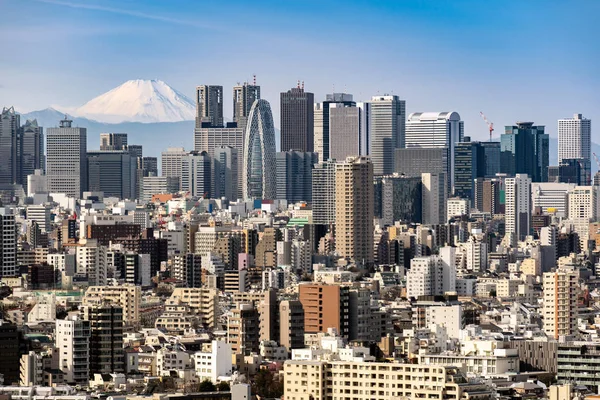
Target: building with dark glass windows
{"x": 524, "y": 149}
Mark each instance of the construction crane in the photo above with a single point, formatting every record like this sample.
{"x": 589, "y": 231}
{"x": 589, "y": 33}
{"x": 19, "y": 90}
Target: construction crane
{"x": 489, "y": 124}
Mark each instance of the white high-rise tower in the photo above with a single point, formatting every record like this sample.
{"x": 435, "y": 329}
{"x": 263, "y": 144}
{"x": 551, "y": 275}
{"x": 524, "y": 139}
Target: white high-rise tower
{"x": 575, "y": 142}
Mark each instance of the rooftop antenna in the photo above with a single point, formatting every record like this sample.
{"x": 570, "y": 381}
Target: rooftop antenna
{"x": 298, "y": 84}
{"x": 302, "y": 85}
{"x": 254, "y": 79}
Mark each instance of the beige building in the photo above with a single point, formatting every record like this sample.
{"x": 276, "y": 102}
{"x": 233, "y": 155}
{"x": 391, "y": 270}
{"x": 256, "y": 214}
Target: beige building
{"x": 560, "y": 302}
{"x": 201, "y": 301}
{"x": 243, "y": 330}
{"x": 291, "y": 324}
{"x": 354, "y": 209}
{"x": 344, "y": 380}
{"x": 126, "y": 296}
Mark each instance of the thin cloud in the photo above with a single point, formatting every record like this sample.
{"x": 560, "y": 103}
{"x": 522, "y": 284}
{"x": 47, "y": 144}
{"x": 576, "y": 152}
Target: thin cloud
{"x": 131, "y": 13}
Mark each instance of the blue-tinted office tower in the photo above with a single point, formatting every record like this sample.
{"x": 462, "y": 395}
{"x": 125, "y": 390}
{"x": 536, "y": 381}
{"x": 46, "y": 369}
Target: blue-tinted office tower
{"x": 491, "y": 152}
{"x": 524, "y": 149}
{"x": 294, "y": 175}
{"x": 469, "y": 164}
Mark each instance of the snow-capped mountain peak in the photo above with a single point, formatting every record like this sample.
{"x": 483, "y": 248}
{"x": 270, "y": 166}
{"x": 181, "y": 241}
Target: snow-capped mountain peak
{"x": 139, "y": 100}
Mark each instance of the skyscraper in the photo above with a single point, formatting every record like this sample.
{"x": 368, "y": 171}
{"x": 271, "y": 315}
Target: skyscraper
{"x": 209, "y": 105}
{"x": 323, "y": 193}
{"x": 196, "y": 174}
{"x": 9, "y": 132}
{"x": 113, "y": 141}
{"x": 575, "y": 140}
{"x": 436, "y": 129}
{"x": 491, "y": 152}
{"x": 171, "y": 160}
{"x": 225, "y": 173}
{"x": 31, "y": 150}
{"x": 297, "y": 120}
{"x": 322, "y": 143}
{"x": 294, "y": 175}
{"x": 243, "y": 97}
{"x": 344, "y": 131}
{"x": 518, "y": 206}
{"x": 259, "y": 166}
{"x": 469, "y": 164}
{"x": 66, "y": 159}
{"x": 434, "y": 195}
{"x": 388, "y": 129}
{"x": 524, "y": 149}
{"x": 398, "y": 198}
{"x": 112, "y": 172}
{"x": 354, "y": 209}
{"x": 413, "y": 161}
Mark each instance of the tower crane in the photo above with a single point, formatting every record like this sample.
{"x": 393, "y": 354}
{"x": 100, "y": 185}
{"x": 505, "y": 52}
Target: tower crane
{"x": 489, "y": 124}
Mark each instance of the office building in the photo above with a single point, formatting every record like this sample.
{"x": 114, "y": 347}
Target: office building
{"x": 294, "y": 175}
{"x": 72, "y": 342}
{"x": 41, "y": 215}
{"x": 414, "y": 161}
{"x": 146, "y": 166}
{"x": 9, "y": 133}
{"x": 66, "y": 159}
{"x": 113, "y": 141}
{"x": 571, "y": 170}
{"x": 491, "y": 153}
{"x": 187, "y": 268}
{"x": 137, "y": 269}
{"x": 152, "y": 185}
{"x": 583, "y": 209}
{"x": 436, "y": 129}
{"x": 323, "y": 192}
{"x": 322, "y": 143}
{"x": 575, "y": 140}
{"x": 518, "y": 207}
{"x": 325, "y": 306}
{"x": 8, "y": 242}
{"x": 524, "y": 149}
{"x": 112, "y": 172}
{"x": 134, "y": 150}
{"x": 243, "y": 97}
{"x": 398, "y": 198}
{"x": 259, "y": 176}
{"x": 171, "y": 160}
{"x": 196, "y": 177}
{"x": 560, "y": 302}
{"x": 344, "y": 131}
{"x": 9, "y": 348}
{"x": 551, "y": 198}
{"x": 106, "y": 353}
{"x": 354, "y": 210}
{"x": 433, "y": 200}
{"x": 225, "y": 178}
{"x": 91, "y": 261}
{"x": 387, "y": 131}
{"x": 469, "y": 164}
{"x": 297, "y": 120}
{"x": 30, "y": 151}
{"x": 209, "y": 105}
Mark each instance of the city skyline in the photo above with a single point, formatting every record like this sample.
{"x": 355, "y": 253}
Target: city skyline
{"x": 476, "y": 45}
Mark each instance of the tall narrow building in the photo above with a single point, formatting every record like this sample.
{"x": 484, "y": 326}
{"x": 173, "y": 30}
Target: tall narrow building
{"x": 106, "y": 353}
{"x": 171, "y": 161}
{"x": 196, "y": 174}
{"x": 575, "y": 141}
{"x": 344, "y": 131}
{"x": 297, "y": 120}
{"x": 436, "y": 129}
{"x": 388, "y": 129}
{"x": 66, "y": 159}
{"x": 209, "y": 105}
{"x": 518, "y": 206}
{"x": 8, "y": 242}
{"x": 524, "y": 149}
{"x": 243, "y": 97}
{"x": 72, "y": 340}
{"x": 434, "y": 196}
{"x": 31, "y": 150}
{"x": 354, "y": 210}
{"x": 322, "y": 131}
{"x": 259, "y": 166}
{"x": 225, "y": 177}
{"x": 323, "y": 193}
{"x": 9, "y": 132}
{"x": 560, "y": 302}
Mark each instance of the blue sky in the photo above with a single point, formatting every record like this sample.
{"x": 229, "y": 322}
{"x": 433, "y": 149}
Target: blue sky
{"x": 514, "y": 60}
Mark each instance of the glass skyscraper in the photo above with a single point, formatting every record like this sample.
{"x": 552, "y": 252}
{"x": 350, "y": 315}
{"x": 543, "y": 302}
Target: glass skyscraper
{"x": 524, "y": 149}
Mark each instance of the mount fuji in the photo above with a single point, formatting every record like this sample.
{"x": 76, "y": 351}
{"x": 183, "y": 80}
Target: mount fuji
{"x": 146, "y": 101}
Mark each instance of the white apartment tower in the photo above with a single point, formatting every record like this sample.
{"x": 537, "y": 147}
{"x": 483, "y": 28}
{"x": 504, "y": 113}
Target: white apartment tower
{"x": 575, "y": 138}
{"x": 434, "y": 195}
{"x": 92, "y": 261}
{"x": 560, "y": 302}
{"x": 66, "y": 159}
{"x": 432, "y": 276}
{"x": 518, "y": 206}
{"x": 73, "y": 351}
{"x": 583, "y": 209}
